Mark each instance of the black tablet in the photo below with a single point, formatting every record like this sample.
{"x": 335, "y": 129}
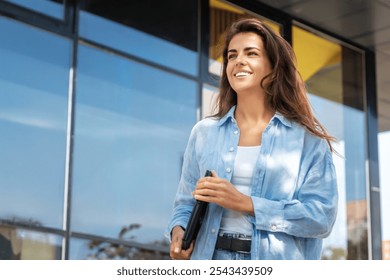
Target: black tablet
{"x": 195, "y": 221}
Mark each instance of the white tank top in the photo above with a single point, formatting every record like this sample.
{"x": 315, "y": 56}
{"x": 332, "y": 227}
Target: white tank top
{"x": 244, "y": 165}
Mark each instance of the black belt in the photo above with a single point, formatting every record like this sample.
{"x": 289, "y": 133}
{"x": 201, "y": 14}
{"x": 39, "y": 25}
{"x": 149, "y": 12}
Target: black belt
{"x": 239, "y": 245}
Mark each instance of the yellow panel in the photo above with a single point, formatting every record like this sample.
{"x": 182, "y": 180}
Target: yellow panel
{"x": 313, "y": 52}
{"x": 223, "y": 6}
{"x": 275, "y": 27}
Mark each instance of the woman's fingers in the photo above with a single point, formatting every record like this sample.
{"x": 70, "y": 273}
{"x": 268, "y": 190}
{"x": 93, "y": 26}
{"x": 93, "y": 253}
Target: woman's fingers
{"x": 176, "y": 252}
{"x": 220, "y": 192}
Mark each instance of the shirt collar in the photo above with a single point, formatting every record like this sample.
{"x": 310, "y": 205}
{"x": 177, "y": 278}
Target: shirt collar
{"x": 230, "y": 116}
{"x": 282, "y": 119}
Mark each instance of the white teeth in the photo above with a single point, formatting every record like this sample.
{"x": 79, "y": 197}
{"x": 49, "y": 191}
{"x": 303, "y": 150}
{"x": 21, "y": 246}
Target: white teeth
{"x": 242, "y": 74}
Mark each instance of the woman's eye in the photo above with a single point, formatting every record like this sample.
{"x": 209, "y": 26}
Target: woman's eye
{"x": 232, "y": 56}
{"x": 252, "y": 53}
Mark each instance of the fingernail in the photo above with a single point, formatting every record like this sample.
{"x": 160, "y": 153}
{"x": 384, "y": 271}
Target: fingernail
{"x": 177, "y": 250}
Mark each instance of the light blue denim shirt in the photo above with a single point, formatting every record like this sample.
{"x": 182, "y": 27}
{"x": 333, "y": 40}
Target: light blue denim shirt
{"x": 294, "y": 189}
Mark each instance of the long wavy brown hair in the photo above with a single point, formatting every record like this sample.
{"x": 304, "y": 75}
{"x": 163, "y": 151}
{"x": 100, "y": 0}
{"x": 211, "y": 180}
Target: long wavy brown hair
{"x": 284, "y": 88}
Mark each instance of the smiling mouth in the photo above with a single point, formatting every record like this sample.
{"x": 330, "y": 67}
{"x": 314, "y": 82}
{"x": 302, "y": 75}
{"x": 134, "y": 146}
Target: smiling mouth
{"x": 242, "y": 74}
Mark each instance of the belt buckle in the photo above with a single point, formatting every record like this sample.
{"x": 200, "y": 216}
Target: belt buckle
{"x": 243, "y": 252}
{"x": 242, "y": 239}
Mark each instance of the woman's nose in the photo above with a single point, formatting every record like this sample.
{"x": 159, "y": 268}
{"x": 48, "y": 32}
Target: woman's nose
{"x": 240, "y": 60}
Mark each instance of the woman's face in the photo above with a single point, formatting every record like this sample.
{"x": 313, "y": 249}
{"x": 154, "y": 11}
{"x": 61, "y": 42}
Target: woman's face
{"x": 247, "y": 64}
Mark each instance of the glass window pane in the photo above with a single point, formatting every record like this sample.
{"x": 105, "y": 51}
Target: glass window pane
{"x": 384, "y": 163}
{"x": 163, "y": 32}
{"x": 209, "y": 98}
{"x": 21, "y": 244}
{"x": 53, "y": 8}
{"x": 82, "y": 249}
{"x": 334, "y": 78}
{"x": 222, "y": 15}
{"x": 132, "y": 125}
{"x": 383, "y": 114}
{"x": 34, "y": 77}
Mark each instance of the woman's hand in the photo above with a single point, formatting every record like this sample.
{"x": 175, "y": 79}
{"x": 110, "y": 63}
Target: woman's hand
{"x": 223, "y": 193}
{"x": 176, "y": 252}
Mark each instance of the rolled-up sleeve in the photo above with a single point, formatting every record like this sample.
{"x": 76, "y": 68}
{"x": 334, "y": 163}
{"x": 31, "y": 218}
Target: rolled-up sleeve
{"x": 312, "y": 211}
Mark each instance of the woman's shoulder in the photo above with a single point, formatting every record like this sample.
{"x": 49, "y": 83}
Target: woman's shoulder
{"x": 205, "y": 124}
{"x": 311, "y": 142}
{"x": 202, "y": 130}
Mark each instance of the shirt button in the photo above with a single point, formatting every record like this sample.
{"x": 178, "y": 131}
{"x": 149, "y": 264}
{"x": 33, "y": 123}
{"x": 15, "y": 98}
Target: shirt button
{"x": 273, "y": 228}
{"x": 213, "y": 230}
{"x": 235, "y": 132}
{"x": 231, "y": 149}
{"x": 228, "y": 170}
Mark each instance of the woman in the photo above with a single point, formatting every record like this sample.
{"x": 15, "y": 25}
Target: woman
{"x": 273, "y": 193}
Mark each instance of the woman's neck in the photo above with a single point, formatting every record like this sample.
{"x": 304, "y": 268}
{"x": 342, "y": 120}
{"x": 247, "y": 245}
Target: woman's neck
{"x": 253, "y": 109}
{"x": 252, "y": 116}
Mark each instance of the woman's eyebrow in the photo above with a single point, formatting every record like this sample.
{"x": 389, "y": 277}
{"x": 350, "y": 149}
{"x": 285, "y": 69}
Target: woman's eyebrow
{"x": 246, "y": 49}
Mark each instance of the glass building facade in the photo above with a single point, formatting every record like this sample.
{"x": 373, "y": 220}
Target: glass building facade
{"x": 96, "y": 105}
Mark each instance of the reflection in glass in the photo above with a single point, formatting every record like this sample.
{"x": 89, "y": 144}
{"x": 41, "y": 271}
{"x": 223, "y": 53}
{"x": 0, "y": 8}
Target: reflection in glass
{"x": 82, "y": 249}
{"x": 131, "y": 128}
{"x": 384, "y": 163}
{"x": 222, "y": 15}
{"x": 20, "y": 244}
{"x": 163, "y": 32}
{"x": 209, "y": 99}
{"x": 34, "y": 74}
{"x": 53, "y": 8}
{"x": 334, "y": 75}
